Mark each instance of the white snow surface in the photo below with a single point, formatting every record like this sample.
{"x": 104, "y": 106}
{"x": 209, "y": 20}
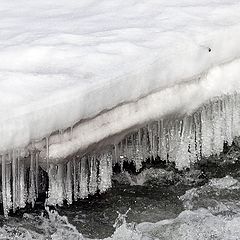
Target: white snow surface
{"x": 102, "y": 61}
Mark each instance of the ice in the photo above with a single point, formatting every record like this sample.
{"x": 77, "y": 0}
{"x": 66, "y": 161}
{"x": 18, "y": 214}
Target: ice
{"x": 144, "y": 79}
{"x": 21, "y": 184}
{"x": 14, "y": 181}
{"x": 181, "y": 139}
{"x": 71, "y": 53}
{"x": 32, "y": 179}
{"x": 227, "y": 182}
{"x": 68, "y": 183}
{"x": 5, "y": 188}
{"x": 83, "y": 177}
{"x": 208, "y": 218}
{"x": 93, "y": 176}
{"x": 79, "y": 178}
{"x": 56, "y": 184}
{"x": 105, "y": 172}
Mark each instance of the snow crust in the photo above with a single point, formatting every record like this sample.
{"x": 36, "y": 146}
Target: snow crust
{"x": 113, "y": 64}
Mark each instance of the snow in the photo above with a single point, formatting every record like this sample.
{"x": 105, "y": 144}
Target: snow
{"x": 109, "y": 64}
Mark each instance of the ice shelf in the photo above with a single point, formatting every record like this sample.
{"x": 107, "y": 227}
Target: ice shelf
{"x": 68, "y": 61}
{"x": 88, "y": 84}
{"x": 183, "y": 140}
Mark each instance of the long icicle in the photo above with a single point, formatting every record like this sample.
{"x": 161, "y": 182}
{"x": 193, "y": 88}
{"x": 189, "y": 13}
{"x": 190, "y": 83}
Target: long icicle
{"x": 32, "y": 180}
{"x": 36, "y": 172}
{"x": 14, "y": 182}
{"x": 8, "y": 175}
{"x": 68, "y": 183}
{"x": 21, "y": 182}
{"x": 75, "y": 182}
{"x": 83, "y": 178}
{"x": 4, "y": 194}
{"x": 93, "y": 175}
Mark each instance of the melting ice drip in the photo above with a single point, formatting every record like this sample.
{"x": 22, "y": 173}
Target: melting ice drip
{"x": 183, "y": 141}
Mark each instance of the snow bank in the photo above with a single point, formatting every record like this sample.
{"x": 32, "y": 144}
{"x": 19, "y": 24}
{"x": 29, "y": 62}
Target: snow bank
{"x": 109, "y": 64}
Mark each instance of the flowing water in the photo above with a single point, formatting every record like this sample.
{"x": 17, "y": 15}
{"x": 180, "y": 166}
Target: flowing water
{"x": 156, "y": 204}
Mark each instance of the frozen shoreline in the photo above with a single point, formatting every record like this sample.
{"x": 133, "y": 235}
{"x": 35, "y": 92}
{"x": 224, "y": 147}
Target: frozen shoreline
{"x": 69, "y": 62}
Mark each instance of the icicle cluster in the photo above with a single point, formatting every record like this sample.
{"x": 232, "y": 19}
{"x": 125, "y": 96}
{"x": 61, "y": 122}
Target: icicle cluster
{"x": 183, "y": 141}
{"x": 79, "y": 178}
{"x": 18, "y": 187}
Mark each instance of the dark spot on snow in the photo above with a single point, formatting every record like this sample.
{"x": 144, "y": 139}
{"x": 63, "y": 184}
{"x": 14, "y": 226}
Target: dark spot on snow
{"x": 209, "y": 49}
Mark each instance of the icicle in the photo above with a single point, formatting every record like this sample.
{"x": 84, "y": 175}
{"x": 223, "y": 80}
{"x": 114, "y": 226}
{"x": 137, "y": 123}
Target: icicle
{"x": 14, "y": 182}
{"x": 47, "y": 153}
{"x": 121, "y": 155}
{"x": 8, "y": 184}
{"x": 93, "y": 175}
{"x": 227, "y": 106}
{"x": 145, "y": 144}
{"x": 110, "y": 169}
{"x": 83, "y": 178}
{"x": 182, "y": 156}
{"x": 197, "y": 125}
{"x": 129, "y": 148}
{"x": 105, "y": 172}
{"x": 192, "y": 150}
{"x": 75, "y": 181}
{"x": 138, "y": 156}
{"x": 21, "y": 182}
{"x": 116, "y": 154}
{"x": 68, "y": 184}
{"x": 218, "y": 126}
{"x": 162, "y": 149}
{"x": 32, "y": 180}
{"x": 56, "y": 186}
{"x": 171, "y": 155}
{"x": 176, "y": 139}
{"x": 207, "y": 131}
{"x": 236, "y": 115}
{"x": 4, "y": 191}
{"x": 36, "y": 173}
{"x": 152, "y": 131}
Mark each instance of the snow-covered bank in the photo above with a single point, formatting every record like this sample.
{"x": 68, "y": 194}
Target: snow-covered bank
{"x": 105, "y": 82}
{"x": 178, "y": 100}
{"x": 63, "y": 62}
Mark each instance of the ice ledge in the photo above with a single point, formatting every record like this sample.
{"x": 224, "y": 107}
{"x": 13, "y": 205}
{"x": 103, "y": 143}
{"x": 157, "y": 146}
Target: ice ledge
{"x": 112, "y": 125}
{"x": 177, "y": 131}
{"x": 182, "y": 99}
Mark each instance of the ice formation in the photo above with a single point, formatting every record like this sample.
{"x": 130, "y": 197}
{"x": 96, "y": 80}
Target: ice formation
{"x": 183, "y": 140}
{"x": 85, "y": 85}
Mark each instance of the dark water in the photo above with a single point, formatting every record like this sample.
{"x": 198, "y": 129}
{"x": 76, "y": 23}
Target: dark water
{"x": 150, "y": 203}
{"x": 156, "y": 199}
